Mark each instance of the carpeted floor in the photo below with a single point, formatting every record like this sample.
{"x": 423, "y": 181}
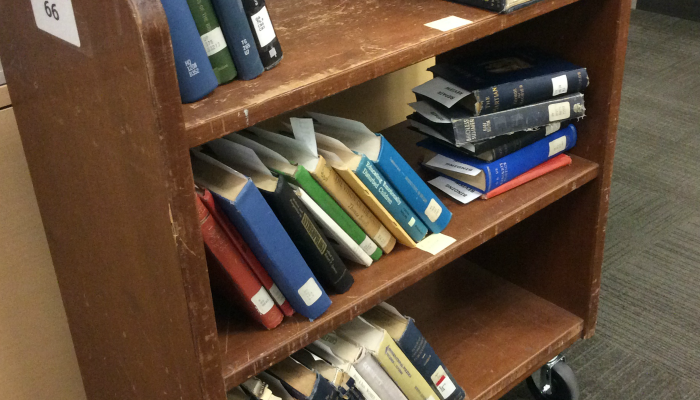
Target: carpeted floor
{"x": 647, "y": 344}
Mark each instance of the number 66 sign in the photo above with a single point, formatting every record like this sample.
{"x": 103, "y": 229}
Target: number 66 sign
{"x": 56, "y": 17}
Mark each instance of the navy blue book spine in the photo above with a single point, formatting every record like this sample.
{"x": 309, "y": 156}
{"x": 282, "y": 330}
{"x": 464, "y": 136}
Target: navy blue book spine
{"x": 493, "y": 5}
{"x": 470, "y": 129}
{"x": 264, "y": 33}
{"x": 503, "y": 170}
{"x": 239, "y": 38}
{"x": 426, "y": 361}
{"x": 194, "y": 73}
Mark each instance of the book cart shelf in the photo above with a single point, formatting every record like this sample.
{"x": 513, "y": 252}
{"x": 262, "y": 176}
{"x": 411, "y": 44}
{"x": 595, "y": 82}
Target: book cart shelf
{"x": 107, "y": 140}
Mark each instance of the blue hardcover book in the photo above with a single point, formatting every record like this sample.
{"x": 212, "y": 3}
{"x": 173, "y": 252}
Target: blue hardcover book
{"x": 485, "y": 176}
{"x": 404, "y": 179}
{"x": 239, "y": 38}
{"x": 467, "y": 128}
{"x": 412, "y": 342}
{"x": 390, "y": 199}
{"x": 194, "y": 73}
{"x": 501, "y": 81}
{"x": 243, "y": 204}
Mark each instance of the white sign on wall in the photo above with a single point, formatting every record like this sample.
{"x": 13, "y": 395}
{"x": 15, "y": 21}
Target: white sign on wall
{"x": 56, "y": 17}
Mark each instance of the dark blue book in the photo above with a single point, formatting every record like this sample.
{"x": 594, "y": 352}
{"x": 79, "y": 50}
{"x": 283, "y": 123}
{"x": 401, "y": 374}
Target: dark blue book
{"x": 467, "y": 128}
{"x": 505, "y": 80}
{"x": 194, "y": 73}
{"x": 265, "y": 38}
{"x": 460, "y": 167}
{"x": 239, "y": 38}
{"x": 243, "y": 204}
{"x": 503, "y": 6}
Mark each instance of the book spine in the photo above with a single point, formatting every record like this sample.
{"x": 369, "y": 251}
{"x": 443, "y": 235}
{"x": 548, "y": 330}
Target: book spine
{"x": 326, "y": 202}
{"x": 426, "y": 361}
{"x": 239, "y": 37}
{"x": 401, "y": 371}
{"x": 546, "y": 167}
{"x": 247, "y": 254}
{"x": 195, "y": 75}
{"x": 493, "y": 5}
{"x": 519, "y": 140}
{"x": 518, "y": 119}
{"x": 391, "y": 200}
{"x": 275, "y": 250}
{"x": 362, "y": 385}
{"x": 233, "y": 275}
{"x": 308, "y": 238}
{"x": 377, "y": 378}
{"x": 265, "y": 38}
{"x": 213, "y": 40}
{"x": 350, "y": 203}
{"x": 532, "y": 90}
{"x": 411, "y": 187}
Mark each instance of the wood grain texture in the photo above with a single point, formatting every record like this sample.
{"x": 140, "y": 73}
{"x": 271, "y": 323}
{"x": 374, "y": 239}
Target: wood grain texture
{"x": 490, "y": 333}
{"x": 330, "y": 46}
{"x": 102, "y": 130}
{"x": 248, "y": 350}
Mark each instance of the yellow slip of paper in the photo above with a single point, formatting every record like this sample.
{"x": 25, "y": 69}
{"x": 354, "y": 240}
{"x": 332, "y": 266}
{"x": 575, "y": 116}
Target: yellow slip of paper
{"x": 436, "y": 243}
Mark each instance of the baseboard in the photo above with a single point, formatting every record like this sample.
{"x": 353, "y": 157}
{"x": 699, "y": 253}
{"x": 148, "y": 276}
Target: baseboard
{"x": 686, "y": 9}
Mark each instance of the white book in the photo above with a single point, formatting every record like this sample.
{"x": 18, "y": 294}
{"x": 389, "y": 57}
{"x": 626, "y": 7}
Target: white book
{"x": 340, "y": 240}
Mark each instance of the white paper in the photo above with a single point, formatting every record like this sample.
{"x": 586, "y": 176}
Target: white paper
{"x": 448, "y": 23}
{"x": 303, "y": 129}
{"x": 262, "y": 301}
{"x": 343, "y": 123}
{"x": 277, "y": 295}
{"x": 368, "y": 246}
{"x": 263, "y": 27}
{"x": 435, "y": 243}
{"x": 442, "y": 91}
{"x": 559, "y": 111}
{"x": 433, "y": 210}
{"x": 442, "y": 162}
{"x": 443, "y": 382}
{"x": 429, "y": 112}
{"x": 551, "y": 128}
{"x": 463, "y": 194}
{"x": 310, "y": 292}
{"x": 234, "y": 154}
{"x": 213, "y": 41}
{"x": 557, "y": 146}
{"x": 56, "y": 17}
{"x": 560, "y": 85}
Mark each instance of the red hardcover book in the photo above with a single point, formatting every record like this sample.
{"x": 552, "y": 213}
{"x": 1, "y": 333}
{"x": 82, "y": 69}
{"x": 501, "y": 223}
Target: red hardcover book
{"x": 244, "y": 249}
{"x": 230, "y": 273}
{"x": 550, "y": 165}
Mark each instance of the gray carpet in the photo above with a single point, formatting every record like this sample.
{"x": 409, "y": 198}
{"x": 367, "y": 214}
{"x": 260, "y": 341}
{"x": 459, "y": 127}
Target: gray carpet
{"x": 647, "y": 344}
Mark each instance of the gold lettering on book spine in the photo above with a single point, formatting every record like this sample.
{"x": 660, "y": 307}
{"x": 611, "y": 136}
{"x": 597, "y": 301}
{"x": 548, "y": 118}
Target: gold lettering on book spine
{"x": 314, "y": 234}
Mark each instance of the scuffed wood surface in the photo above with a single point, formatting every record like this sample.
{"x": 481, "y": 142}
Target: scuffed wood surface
{"x": 330, "y": 46}
{"x": 248, "y": 350}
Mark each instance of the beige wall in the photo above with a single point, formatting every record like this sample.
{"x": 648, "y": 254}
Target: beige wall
{"x": 37, "y": 360}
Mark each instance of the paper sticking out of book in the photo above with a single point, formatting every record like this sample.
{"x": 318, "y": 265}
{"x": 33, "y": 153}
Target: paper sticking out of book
{"x": 435, "y": 243}
{"x": 429, "y": 112}
{"x": 462, "y": 193}
{"x": 448, "y": 23}
{"x": 442, "y": 162}
{"x": 442, "y": 91}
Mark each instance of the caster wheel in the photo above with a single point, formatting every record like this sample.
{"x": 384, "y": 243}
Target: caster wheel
{"x": 554, "y": 381}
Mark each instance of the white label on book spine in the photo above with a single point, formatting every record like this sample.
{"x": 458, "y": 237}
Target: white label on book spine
{"x": 435, "y": 243}
{"x": 443, "y": 382}
{"x": 56, "y": 17}
{"x": 463, "y": 194}
{"x": 214, "y": 41}
{"x": 382, "y": 237}
{"x": 262, "y": 301}
{"x": 559, "y": 111}
{"x": 442, "y": 91}
{"x": 262, "y": 25}
{"x": 310, "y": 292}
{"x": 412, "y": 222}
{"x": 433, "y": 210}
{"x": 557, "y": 146}
{"x": 277, "y": 295}
{"x": 448, "y": 23}
{"x": 368, "y": 246}
{"x": 560, "y": 85}
{"x": 429, "y": 112}
{"x": 442, "y": 162}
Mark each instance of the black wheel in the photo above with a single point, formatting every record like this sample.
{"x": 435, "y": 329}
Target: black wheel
{"x": 563, "y": 381}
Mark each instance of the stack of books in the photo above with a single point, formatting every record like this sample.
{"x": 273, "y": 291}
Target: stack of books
{"x": 213, "y": 43}
{"x": 281, "y": 214}
{"x": 502, "y": 6}
{"x": 380, "y": 355}
{"x": 498, "y": 120}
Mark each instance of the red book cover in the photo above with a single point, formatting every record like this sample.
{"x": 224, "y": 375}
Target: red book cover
{"x": 244, "y": 250}
{"x": 550, "y": 165}
{"x": 230, "y": 273}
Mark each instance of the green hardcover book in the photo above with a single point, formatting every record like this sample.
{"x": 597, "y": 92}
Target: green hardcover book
{"x": 326, "y": 202}
{"x": 213, "y": 40}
